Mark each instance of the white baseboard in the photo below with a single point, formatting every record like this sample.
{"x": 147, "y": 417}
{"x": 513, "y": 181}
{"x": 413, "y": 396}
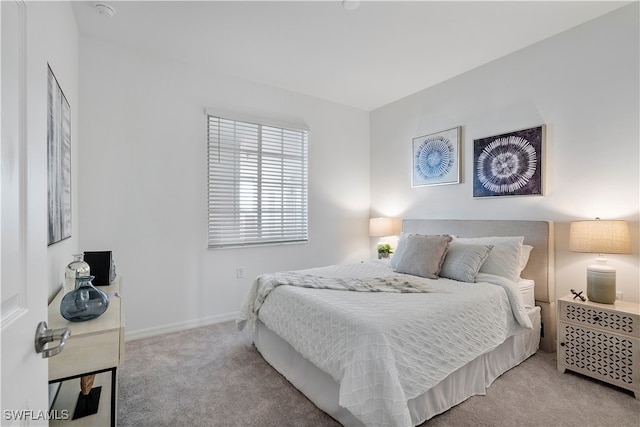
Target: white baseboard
{"x": 177, "y": 327}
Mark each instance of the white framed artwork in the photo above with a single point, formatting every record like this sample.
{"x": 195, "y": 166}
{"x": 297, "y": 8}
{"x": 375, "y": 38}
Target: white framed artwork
{"x": 436, "y": 158}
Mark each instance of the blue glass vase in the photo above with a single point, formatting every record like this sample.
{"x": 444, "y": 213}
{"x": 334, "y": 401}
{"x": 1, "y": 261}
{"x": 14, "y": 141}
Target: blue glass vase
{"x": 85, "y": 302}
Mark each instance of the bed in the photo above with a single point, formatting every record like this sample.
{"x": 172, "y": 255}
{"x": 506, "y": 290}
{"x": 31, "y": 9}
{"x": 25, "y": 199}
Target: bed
{"x": 408, "y": 346}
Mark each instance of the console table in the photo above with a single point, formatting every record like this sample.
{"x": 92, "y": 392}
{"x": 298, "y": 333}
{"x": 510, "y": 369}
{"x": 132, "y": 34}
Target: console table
{"x": 95, "y": 346}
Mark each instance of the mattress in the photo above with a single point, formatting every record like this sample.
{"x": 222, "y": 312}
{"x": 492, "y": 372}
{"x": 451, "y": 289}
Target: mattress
{"x": 526, "y": 287}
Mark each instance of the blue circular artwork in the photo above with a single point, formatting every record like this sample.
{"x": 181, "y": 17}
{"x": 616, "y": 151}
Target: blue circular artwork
{"x": 434, "y": 158}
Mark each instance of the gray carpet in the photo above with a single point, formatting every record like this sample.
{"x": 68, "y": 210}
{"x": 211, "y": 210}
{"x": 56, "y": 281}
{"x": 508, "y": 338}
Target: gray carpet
{"x": 213, "y": 376}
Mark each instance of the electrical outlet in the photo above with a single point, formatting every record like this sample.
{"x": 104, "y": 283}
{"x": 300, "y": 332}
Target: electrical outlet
{"x": 239, "y": 272}
{"x": 619, "y": 296}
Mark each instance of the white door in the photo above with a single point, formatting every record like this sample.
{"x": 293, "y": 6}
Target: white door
{"x": 23, "y": 252}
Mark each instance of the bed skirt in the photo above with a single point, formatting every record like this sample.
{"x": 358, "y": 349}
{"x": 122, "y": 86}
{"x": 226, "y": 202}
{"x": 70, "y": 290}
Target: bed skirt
{"x": 470, "y": 380}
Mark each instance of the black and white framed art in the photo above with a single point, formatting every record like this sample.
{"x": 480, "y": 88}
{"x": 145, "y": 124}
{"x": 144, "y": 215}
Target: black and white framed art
{"x": 509, "y": 164}
{"x": 58, "y": 162}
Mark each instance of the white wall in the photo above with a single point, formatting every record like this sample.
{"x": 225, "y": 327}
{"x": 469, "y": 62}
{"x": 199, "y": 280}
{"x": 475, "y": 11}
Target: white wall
{"x": 143, "y": 184}
{"x": 583, "y": 84}
{"x": 52, "y": 38}
{"x": 142, "y": 154}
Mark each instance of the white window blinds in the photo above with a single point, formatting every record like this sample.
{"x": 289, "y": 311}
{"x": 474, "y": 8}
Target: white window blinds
{"x": 257, "y": 183}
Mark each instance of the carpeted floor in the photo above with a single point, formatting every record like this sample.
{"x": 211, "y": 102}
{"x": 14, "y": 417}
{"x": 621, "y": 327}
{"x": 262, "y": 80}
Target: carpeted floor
{"x": 213, "y": 376}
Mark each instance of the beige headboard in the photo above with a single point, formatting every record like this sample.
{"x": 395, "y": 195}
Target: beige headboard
{"x": 540, "y": 268}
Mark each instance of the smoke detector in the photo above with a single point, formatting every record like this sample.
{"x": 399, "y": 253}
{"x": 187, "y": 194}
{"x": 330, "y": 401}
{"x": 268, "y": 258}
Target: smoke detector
{"x": 350, "y": 4}
{"x": 104, "y": 9}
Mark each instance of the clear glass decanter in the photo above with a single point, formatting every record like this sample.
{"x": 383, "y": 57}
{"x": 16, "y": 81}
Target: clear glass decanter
{"x": 76, "y": 268}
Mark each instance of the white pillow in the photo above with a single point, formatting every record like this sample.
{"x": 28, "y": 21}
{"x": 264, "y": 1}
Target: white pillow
{"x": 463, "y": 261}
{"x": 504, "y": 258}
{"x": 402, "y": 244}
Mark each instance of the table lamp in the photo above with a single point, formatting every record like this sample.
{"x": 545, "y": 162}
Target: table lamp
{"x": 601, "y": 237}
{"x": 382, "y": 227}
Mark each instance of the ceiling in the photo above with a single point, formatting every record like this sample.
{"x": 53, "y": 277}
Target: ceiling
{"x": 365, "y": 58}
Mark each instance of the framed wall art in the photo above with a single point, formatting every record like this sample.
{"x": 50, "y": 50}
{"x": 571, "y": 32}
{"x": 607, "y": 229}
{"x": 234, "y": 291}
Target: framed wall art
{"x": 509, "y": 164}
{"x": 436, "y": 158}
{"x": 58, "y": 162}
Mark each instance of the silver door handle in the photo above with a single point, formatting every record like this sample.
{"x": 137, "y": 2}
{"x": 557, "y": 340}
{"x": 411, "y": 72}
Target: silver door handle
{"x": 45, "y": 335}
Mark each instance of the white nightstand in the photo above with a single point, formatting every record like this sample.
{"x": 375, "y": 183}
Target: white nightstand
{"x": 601, "y": 341}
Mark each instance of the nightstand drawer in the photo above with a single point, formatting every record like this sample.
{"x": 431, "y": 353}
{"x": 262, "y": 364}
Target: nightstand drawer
{"x": 86, "y": 353}
{"x": 601, "y": 318}
{"x": 602, "y": 355}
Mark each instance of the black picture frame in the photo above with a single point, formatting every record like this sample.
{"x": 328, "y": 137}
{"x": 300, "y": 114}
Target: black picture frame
{"x": 509, "y": 164}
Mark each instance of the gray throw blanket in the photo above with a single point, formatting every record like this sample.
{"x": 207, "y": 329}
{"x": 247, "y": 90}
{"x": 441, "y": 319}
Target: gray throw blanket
{"x": 268, "y": 282}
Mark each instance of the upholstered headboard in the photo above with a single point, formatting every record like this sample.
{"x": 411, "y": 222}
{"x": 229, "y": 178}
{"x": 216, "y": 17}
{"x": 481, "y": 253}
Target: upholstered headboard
{"x": 539, "y": 234}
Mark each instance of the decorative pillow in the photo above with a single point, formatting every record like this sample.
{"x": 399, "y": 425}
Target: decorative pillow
{"x": 524, "y": 257}
{"x": 463, "y": 261}
{"x": 423, "y": 255}
{"x": 402, "y": 243}
{"x": 504, "y": 257}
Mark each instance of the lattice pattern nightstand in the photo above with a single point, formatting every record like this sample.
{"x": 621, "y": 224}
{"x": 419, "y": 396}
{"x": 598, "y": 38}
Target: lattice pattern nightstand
{"x": 601, "y": 341}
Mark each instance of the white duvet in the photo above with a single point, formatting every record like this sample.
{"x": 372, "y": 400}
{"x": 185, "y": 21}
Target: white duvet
{"x": 387, "y": 348}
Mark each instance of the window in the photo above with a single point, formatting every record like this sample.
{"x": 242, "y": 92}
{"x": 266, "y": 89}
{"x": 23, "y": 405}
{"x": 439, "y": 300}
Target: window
{"x": 257, "y": 183}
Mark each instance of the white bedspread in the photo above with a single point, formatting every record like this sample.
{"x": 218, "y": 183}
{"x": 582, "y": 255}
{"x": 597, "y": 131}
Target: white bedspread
{"x": 386, "y": 348}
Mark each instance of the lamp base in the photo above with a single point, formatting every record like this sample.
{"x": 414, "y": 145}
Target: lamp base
{"x": 601, "y": 284}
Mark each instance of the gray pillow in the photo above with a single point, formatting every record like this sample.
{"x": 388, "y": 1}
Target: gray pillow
{"x": 423, "y": 255}
{"x": 463, "y": 261}
{"x": 504, "y": 258}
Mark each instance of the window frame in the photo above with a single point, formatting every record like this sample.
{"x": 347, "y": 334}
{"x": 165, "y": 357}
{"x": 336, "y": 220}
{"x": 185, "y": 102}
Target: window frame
{"x": 255, "y": 165}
